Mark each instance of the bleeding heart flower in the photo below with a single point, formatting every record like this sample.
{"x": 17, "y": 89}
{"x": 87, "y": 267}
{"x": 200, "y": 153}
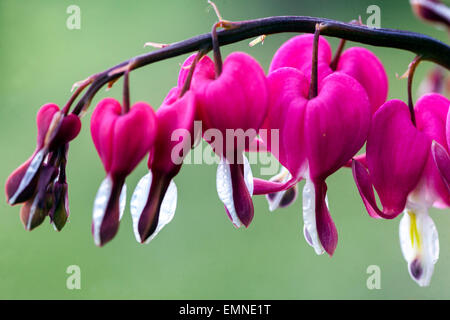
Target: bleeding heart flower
{"x": 121, "y": 140}
{"x": 317, "y": 137}
{"x": 356, "y": 62}
{"x": 154, "y": 201}
{"x": 403, "y": 171}
{"x": 234, "y": 104}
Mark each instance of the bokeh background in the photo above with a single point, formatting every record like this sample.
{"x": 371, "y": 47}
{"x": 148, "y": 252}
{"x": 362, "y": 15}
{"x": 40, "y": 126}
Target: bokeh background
{"x": 200, "y": 255}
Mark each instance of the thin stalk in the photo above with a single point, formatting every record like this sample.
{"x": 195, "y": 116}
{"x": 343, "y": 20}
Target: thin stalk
{"x": 314, "y": 77}
{"x": 411, "y": 70}
{"x": 187, "y": 82}
{"x": 126, "y": 92}
{"x": 334, "y": 63}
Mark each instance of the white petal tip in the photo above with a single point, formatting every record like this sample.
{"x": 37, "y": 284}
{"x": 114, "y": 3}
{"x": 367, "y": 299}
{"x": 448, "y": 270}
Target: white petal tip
{"x": 225, "y": 187}
{"x": 139, "y": 200}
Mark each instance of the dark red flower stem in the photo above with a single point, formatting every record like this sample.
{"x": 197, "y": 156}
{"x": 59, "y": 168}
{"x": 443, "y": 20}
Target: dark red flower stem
{"x": 334, "y": 63}
{"x": 314, "y": 77}
{"x": 126, "y": 92}
{"x": 77, "y": 92}
{"x": 187, "y": 83}
{"x": 216, "y": 49}
{"x": 430, "y": 49}
{"x": 411, "y": 70}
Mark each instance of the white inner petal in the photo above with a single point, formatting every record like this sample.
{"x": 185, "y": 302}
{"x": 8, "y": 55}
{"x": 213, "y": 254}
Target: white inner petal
{"x": 29, "y": 174}
{"x": 139, "y": 200}
{"x": 309, "y": 217}
{"x": 282, "y": 177}
{"x": 122, "y": 200}
{"x": 225, "y": 186}
{"x": 100, "y": 204}
{"x": 167, "y": 210}
{"x": 419, "y": 242}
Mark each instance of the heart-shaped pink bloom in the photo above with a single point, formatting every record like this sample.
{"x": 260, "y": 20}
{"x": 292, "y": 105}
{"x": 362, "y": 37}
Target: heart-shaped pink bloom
{"x": 396, "y": 156}
{"x": 409, "y": 167}
{"x": 154, "y": 200}
{"x": 21, "y": 184}
{"x": 317, "y": 137}
{"x": 234, "y": 105}
{"x": 121, "y": 140}
{"x": 356, "y": 62}
{"x": 399, "y": 160}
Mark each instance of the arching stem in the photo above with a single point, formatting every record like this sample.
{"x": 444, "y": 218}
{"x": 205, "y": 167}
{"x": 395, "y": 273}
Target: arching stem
{"x": 216, "y": 49}
{"x": 187, "y": 83}
{"x": 80, "y": 87}
{"x": 334, "y": 63}
{"x": 430, "y": 49}
{"x": 314, "y": 72}
{"x": 411, "y": 70}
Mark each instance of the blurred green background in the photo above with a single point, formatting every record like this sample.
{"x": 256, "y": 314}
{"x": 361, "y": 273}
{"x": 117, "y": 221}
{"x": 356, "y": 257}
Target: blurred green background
{"x": 200, "y": 255}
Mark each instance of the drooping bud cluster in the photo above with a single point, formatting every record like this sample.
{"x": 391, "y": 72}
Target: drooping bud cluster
{"x": 40, "y": 183}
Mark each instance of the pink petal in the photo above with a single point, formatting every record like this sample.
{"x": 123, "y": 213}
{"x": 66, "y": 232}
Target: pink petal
{"x": 262, "y": 186}
{"x": 69, "y": 130}
{"x": 122, "y": 140}
{"x": 43, "y": 120}
{"x": 175, "y": 130}
{"x": 368, "y": 70}
{"x": 297, "y": 53}
{"x": 102, "y": 124}
{"x": 203, "y": 69}
{"x": 288, "y": 89}
{"x": 396, "y": 155}
{"x": 360, "y": 158}
{"x": 337, "y": 122}
{"x": 134, "y": 135}
{"x": 364, "y": 185}
{"x": 237, "y": 99}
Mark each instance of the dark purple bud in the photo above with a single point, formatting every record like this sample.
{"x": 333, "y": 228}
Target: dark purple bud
{"x": 60, "y": 208}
